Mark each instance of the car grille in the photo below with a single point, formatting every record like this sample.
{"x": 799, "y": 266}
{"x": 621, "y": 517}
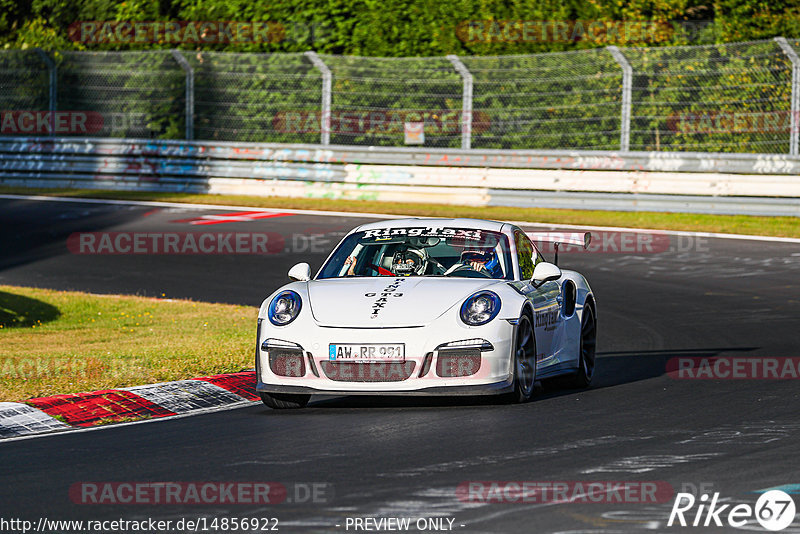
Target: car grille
{"x": 287, "y": 362}
{"x": 367, "y": 372}
{"x": 454, "y": 363}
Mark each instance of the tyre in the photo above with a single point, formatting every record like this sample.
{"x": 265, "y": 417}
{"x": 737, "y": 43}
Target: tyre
{"x": 284, "y": 401}
{"x": 524, "y": 362}
{"x": 586, "y": 359}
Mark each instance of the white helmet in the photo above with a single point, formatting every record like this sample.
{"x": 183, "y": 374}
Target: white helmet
{"x": 408, "y": 261}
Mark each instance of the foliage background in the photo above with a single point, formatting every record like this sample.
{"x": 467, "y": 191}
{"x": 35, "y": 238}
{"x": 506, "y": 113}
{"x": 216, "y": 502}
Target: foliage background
{"x": 394, "y": 28}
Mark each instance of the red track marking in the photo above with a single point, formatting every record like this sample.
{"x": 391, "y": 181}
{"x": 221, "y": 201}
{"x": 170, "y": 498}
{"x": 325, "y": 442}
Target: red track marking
{"x": 86, "y": 409}
{"x": 236, "y": 216}
{"x": 243, "y": 384}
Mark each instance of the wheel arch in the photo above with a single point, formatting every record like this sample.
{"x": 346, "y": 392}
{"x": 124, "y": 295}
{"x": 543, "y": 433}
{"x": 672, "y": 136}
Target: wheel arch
{"x": 589, "y": 301}
{"x": 527, "y": 309}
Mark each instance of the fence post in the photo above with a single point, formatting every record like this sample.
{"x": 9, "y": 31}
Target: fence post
{"x": 466, "y": 101}
{"x": 325, "y": 121}
{"x": 794, "y": 136}
{"x": 189, "y": 92}
{"x": 627, "y": 86}
{"x": 52, "y": 70}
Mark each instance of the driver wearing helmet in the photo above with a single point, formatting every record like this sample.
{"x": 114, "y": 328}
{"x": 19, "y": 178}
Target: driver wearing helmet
{"x": 483, "y": 260}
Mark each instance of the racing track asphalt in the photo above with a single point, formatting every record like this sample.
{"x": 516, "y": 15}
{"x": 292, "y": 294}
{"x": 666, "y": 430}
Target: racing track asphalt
{"x": 404, "y": 457}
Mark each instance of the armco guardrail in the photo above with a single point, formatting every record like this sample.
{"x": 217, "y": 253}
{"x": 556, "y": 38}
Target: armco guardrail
{"x": 342, "y": 154}
{"x": 710, "y": 183}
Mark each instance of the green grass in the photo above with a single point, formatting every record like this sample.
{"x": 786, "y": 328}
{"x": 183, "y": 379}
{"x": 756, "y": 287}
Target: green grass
{"x": 732, "y": 224}
{"x": 54, "y": 342}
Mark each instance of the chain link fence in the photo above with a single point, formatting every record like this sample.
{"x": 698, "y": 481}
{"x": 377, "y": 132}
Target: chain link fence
{"x": 123, "y": 94}
{"x": 250, "y": 97}
{"x": 24, "y": 81}
{"x": 733, "y": 97}
{"x": 556, "y": 100}
{"x": 373, "y": 98}
{"x": 739, "y": 97}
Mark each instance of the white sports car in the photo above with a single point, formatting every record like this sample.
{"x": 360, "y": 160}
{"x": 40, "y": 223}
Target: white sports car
{"x": 431, "y": 307}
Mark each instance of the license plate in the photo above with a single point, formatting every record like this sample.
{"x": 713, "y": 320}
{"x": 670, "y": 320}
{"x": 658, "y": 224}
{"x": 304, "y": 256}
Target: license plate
{"x": 367, "y": 352}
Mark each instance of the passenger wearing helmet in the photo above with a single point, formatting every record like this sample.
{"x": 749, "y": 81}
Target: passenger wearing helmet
{"x": 409, "y": 261}
{"x": 405, "y": 261}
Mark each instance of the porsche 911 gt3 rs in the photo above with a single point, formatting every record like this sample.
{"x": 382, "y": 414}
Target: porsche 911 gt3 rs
{"x": 427, "y": 307}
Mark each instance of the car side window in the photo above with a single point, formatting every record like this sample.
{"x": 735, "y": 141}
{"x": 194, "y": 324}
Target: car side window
{"x": 526, "y": 255}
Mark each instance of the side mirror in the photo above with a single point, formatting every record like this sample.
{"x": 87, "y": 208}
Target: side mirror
{"x": 300, "y": 272}
{"x": 544, "y": 272}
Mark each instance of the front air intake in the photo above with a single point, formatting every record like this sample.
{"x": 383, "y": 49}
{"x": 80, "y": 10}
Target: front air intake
{"x": 367, "y": 372}
{"x": 460, "y": 362}
{"x": 287, "y": 362}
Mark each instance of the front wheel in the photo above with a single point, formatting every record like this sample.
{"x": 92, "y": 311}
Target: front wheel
{"x": 524, "y": 358}
{"x": 283, "y": 401}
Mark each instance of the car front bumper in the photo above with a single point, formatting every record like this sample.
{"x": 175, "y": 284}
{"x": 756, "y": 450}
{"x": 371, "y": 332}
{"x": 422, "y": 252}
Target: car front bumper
{"x": 420, "y": 373}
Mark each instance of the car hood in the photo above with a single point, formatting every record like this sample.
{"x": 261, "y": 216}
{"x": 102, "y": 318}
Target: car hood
{"x": 388, "y": 301}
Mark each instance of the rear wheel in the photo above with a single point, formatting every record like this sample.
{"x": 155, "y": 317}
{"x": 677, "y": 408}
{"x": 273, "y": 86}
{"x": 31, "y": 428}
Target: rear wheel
{"x": 282, "y": 401}
{"x": 524, "y": 362}
{"x": 586, "y": 359}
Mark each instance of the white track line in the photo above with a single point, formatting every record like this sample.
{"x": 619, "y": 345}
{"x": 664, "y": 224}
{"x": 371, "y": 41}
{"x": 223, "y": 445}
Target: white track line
{"x": 323, "y": 213}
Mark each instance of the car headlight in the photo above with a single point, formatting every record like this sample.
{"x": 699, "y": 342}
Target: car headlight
{"x": 480, "y": 308}
{"x": 284, "y": 308}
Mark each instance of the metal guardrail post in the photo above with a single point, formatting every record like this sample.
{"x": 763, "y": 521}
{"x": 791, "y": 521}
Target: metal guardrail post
{"x": 627, "y": 87}
{"x": 794, "y": 136}
{"x": 189, "y": 92}
{"x": 327, "y": 86}
{"x": 52, "y": 70}
{"x": 466, "y": 101}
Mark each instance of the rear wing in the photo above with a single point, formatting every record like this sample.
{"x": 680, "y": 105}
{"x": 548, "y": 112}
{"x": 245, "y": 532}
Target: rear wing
{"x": 581, "y": 239}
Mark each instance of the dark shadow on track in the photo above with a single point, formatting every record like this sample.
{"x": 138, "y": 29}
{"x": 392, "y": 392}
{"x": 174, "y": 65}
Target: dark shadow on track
{"x": 17, "y": 311}
{"x": 617, "y": 368}
{"x": 613, "y": 369}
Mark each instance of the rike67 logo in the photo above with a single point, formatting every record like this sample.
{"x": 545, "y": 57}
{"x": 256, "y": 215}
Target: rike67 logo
{"x": 774, "y": 510}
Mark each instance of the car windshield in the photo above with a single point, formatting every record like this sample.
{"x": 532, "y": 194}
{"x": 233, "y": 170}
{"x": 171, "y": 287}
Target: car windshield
{"x": 421, "y": 251}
